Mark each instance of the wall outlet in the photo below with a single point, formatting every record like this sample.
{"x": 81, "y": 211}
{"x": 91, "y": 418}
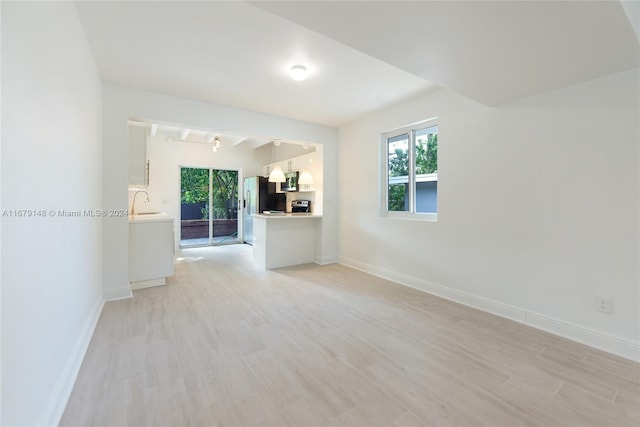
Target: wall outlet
{"x": 603, "y": 304}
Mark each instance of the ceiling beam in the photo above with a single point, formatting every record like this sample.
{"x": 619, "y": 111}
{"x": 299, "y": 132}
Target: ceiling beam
{"x": 257, "y": 143}
{"x": 240, "y": 141}
{"x": 184, "y": 134}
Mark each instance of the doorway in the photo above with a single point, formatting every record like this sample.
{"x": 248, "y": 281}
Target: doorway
{"x": 208, "y": 206}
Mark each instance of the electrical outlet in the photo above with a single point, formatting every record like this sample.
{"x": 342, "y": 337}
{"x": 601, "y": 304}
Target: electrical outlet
{"x": 603, "y": 304}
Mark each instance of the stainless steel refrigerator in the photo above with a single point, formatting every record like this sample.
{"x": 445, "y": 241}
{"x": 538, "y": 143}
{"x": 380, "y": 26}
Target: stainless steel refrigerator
{"x": 259, "y": 196}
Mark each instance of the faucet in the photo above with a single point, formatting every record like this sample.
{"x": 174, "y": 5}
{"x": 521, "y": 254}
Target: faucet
{"x": 133, "y": 205}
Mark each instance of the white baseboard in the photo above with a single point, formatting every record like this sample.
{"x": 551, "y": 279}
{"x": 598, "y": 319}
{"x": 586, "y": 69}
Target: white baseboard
{"x": 67, "y": 378}
{"x": 143, "y": 284}
{"x": 115, "y": 294}
{"x": 597, "y": 339}
{"x": 325, "y": 260}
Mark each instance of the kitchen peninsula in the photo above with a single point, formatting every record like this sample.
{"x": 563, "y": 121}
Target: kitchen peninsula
{"x": 285, "y": 239}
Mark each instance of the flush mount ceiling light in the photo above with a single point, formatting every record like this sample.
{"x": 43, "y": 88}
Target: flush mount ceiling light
{"x": 298, "y": 72}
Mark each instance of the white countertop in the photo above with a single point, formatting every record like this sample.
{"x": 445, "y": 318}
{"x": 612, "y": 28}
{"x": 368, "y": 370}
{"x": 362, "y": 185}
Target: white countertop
{"x": 150, "y": 217}
{"x": 287, "y": 216}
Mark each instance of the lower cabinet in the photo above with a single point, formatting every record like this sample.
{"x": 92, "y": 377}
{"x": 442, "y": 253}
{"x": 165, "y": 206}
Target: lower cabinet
{"x": 151, "y": 252}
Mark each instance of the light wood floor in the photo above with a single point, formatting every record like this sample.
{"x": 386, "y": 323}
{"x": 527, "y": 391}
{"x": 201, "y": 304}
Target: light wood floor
{"x": 226, "y": 344}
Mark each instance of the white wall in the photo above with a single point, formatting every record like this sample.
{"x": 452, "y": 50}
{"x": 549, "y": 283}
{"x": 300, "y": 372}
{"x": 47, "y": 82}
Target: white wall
{"x": 166, "y": 158}
{"x": 51, "y": 266}
{"x": 538, "y": 208}
{"x": 122, "y": 104}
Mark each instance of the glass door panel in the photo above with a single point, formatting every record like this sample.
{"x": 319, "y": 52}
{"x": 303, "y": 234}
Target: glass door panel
{"x": 208, "y": 206}
{"x": 224, "y": 205}
{"x": 194, "y": 206}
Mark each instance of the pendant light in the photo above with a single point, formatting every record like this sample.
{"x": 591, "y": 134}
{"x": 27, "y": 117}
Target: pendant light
{"x": 305, "y": 181}
{"x": 276, "y": 174}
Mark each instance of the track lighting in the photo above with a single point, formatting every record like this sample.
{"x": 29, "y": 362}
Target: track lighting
{"x": 216, "y": 144}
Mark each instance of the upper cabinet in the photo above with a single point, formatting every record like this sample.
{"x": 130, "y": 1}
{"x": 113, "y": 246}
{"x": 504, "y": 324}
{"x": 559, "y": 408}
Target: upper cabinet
{"x": 291, "y": 165}
{"x": 306, "y": 163}
{"x": 138, "y": 165}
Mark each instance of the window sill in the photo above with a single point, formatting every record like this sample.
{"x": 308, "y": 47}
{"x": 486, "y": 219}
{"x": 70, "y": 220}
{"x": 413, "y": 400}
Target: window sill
{"x": 428, "y": 217}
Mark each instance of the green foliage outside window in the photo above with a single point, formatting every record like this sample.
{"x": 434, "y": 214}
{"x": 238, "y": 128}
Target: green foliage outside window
{"x": 194, "y": 184}
{"x": 399, "y": 163}
{"x": 397, "y": 194}
{"x": 427, "y": 154}
{"x": 426, "y": 162}
{"x": 225, "y": 194}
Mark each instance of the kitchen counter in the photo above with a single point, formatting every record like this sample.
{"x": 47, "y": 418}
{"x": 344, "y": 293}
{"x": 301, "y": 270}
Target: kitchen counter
{"x": 286, "y": 215}
{"x": 281, "y": 240}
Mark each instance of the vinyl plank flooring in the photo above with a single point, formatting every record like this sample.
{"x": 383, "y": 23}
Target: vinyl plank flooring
{"x": 134, "y": 388}
{"x": 167, "y": 404}
{"x": 258, "y": 409}
{"x": 226, "y": 344}
{"x": 280, "y": 382}
{"x": 304, "y": 412}
{"x": 329, "y": 396}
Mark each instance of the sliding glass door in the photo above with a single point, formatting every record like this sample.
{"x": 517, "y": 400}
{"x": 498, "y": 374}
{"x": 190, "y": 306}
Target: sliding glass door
{"x": 209, "y": 206}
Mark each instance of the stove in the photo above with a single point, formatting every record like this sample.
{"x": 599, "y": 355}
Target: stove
{"x": 300, "y": 206}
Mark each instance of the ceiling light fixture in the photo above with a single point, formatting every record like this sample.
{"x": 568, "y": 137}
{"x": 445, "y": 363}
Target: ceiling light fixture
{"x": 216, "y": 144}
{"x": 276, "y": 174}
{"x": 305, "y": 181}
{"x": 298, "y": 72}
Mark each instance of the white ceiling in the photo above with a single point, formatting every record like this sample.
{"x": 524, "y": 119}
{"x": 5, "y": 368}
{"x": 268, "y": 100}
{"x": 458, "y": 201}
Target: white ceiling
{"x": 235, "y": 54}
{"x": 362, "y": 55}
{"x": 177, "y": 133}
{"x": 490, "y": 51}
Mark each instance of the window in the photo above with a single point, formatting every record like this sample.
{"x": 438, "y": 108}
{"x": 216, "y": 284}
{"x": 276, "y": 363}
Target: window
{"x": 410, "y": 185}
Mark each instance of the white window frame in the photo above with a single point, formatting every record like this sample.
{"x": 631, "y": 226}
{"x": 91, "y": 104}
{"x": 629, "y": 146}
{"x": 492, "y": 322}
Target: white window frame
{"x": 384, "y": 175}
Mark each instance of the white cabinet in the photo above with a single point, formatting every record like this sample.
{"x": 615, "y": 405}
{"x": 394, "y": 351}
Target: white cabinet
{"x": 151, "y": 251}
{"x": 274, "y": 234}
{"x": 138, "y": 166}
{"x": 295, "y": 164}
{"x": 290, "y": 165}
{"x": 305, "y": 162}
